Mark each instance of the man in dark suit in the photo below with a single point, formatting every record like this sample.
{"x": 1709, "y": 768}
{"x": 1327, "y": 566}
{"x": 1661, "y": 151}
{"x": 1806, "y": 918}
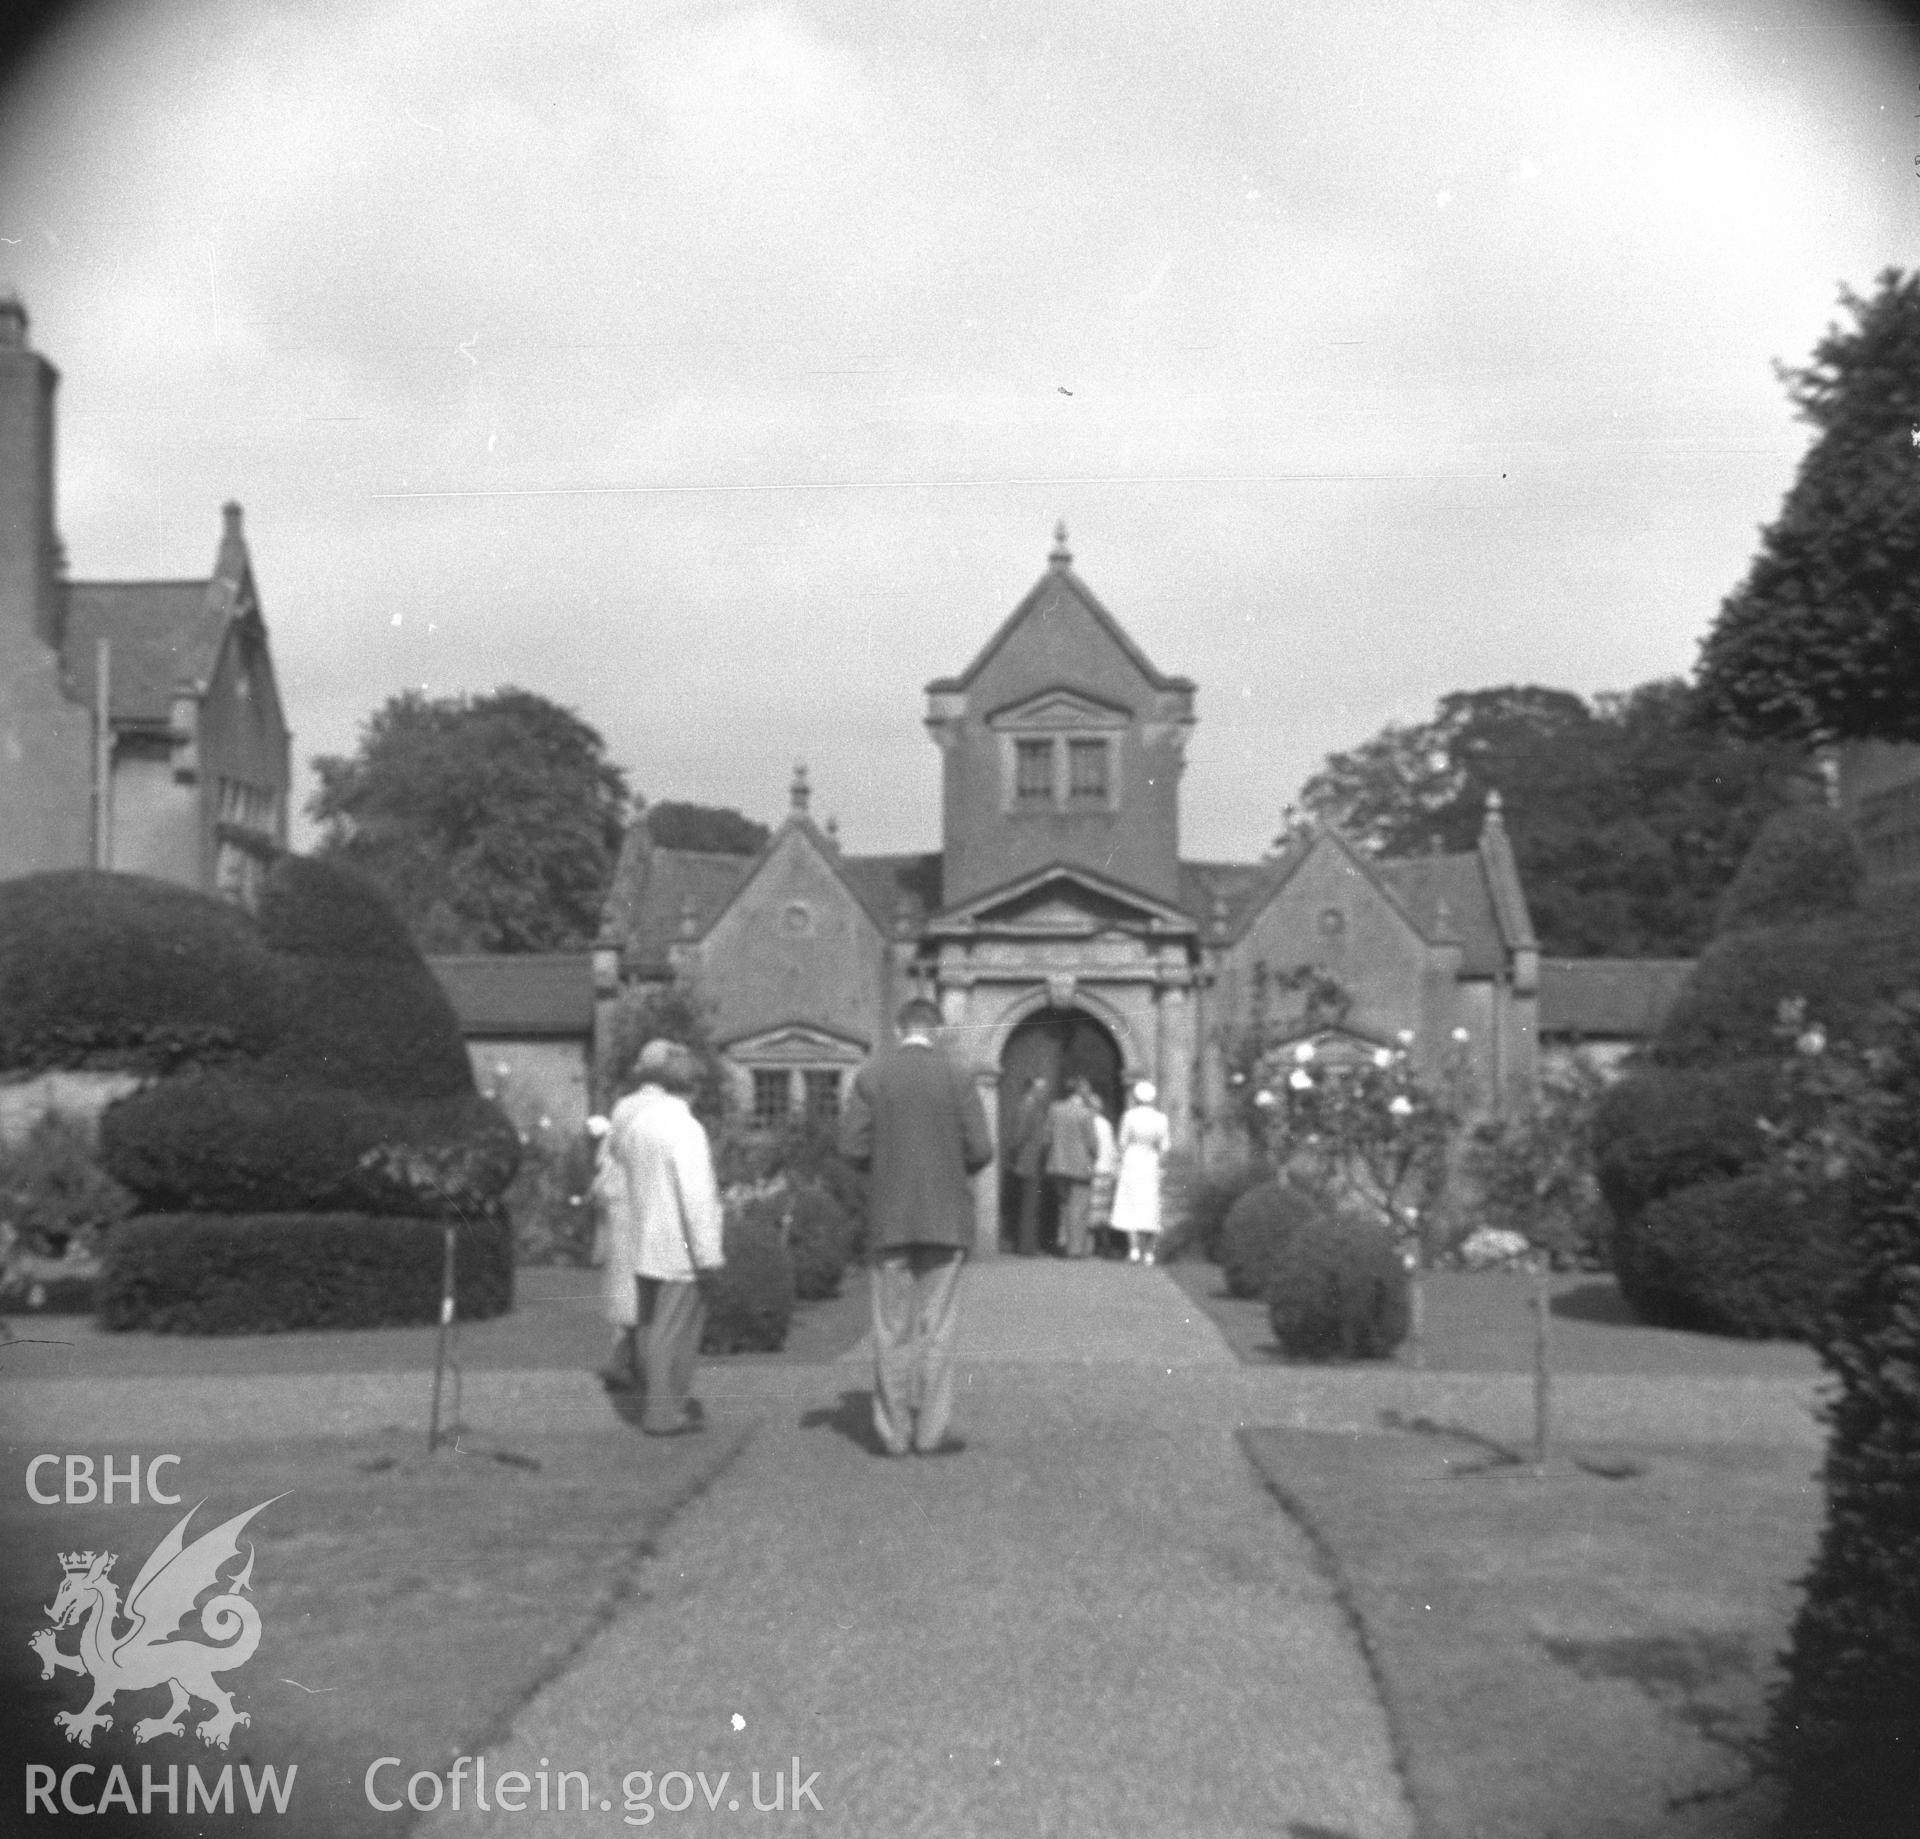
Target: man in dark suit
{"x": 1027, "y": 1158}
{"x": 1072, "y": 1151}
{"x": 914, "y": 1120}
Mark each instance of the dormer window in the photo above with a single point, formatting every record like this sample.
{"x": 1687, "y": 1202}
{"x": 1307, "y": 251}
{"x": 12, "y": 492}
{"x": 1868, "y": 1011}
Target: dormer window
{"x": 1033, "y": 772}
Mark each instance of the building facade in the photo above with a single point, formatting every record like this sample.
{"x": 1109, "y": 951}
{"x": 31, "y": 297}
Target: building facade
{"x": 141, "y": 727}
{"x": 1060, "y": 927}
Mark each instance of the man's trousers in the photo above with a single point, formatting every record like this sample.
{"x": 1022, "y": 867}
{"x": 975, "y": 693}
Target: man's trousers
{"x": 916, "y": 1322}
{"x": 1076, "y": 1200}
{"x": 672, "y": 1317}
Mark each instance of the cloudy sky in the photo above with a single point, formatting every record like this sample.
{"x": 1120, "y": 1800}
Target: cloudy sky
{"x": 720, "y": 370}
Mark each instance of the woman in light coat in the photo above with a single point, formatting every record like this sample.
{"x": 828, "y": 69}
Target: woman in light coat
{"x": 1144, "y": 1138}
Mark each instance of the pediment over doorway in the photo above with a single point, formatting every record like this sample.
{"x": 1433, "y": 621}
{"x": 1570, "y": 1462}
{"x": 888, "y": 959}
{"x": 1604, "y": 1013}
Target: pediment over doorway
{"x": 1064, "y": 902}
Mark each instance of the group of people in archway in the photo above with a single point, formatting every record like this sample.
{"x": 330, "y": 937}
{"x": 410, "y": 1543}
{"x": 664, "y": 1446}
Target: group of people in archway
{"x": 1084, "y": 1186}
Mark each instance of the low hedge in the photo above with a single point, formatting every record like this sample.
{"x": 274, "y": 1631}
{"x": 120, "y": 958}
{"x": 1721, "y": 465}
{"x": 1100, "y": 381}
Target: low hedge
{"x": 102, "y": 970}
{"x": 1257, "y": 1228}
{"x": 264, "y": 1273}
{"x": 1751, "y": 1255}
{"x": 750, "y": 1302}
{"x": 1340, "y": 1290}
{"x": 224, "y": 1141}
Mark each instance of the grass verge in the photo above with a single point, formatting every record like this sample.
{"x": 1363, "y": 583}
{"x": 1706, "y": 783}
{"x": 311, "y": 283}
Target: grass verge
{"x": 409, "y": 1606}
{"x": 1585, "y": 1654}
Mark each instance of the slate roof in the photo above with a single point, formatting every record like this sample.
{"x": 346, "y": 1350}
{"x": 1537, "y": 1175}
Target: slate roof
{"x": 1060, "y": 570}
{"x": 539, "y": 994}
{"x": 1458, "y": 883}
{"x": 654, "y": 888}
{"x": 884, "y": 884}
{"x": 1609, "y": 998}
{"x": 163, "y": 632}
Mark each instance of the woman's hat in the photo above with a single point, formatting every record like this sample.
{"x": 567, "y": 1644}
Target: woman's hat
{"x": 1144, "y": 1093}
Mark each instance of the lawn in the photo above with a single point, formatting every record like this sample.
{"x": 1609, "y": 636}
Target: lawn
{"x": 409, "y": 1606}
{"x": 1584, "y": 1655}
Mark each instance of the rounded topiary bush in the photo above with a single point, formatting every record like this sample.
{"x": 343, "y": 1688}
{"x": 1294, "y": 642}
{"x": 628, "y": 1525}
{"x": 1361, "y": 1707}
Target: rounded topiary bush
{"x": 1752, "y": 1255}
{"x": 1664, "y": 1128}
{"x": 1340, "y": 1290}
{"x": 1209, "y": 1199}
{"x": 1257, "y": 1228}
{"x": 224, "y": 1142}
{"x": 242, "y": 1274}
{"x": 750, "y": 1302}
{"x": 122, "y": 971}
{"x": 820, "y": 1241}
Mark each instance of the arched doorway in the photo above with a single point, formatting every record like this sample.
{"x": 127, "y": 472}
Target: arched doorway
{"x": 1055, "y": 1045}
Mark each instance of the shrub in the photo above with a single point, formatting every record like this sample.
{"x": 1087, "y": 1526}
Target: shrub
{"x": 100, "y": 970}
{"x": 224, "y": 1141}
{"x": 245, "y": 1274}
{"x": 820, "y": 1241}
{"x": 1340, "y": 1290}
{"x": 1751, "y": 1255}
{"x": 1801, "y": 866}
{"x": 1210, "y": 1198}
{"x": 1532, "y": 1171}
{"x": 1660, "y": 1129}
{"x": 550, "y": 1198}
{"x": 750, "y": 1302}
{"x": 315, "y": 909}
{"x": 53, "y": 1192}
{"x": 1847, "y": 1723}
{"x": 1257, "y": 1227}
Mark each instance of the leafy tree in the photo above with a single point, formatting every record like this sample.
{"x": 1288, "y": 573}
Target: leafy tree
{"x": 1821, "y": 642}
{"x": 1627, "y": 819}
{"x": 718, "y": 829}
{"x": 491, "y": 822}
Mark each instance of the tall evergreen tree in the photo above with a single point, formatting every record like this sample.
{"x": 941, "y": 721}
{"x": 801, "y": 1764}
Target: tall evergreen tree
{"x": 1821, "y": 642}
{"x": 491, "y": 822}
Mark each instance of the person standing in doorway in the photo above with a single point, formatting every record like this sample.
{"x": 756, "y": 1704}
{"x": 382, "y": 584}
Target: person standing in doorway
{"x": 1145, "y": 1136}
{"x": 1073, "y": 1146}
{"x": 914, "y": 1121}
{"x": 1027, "y": 1158}
{"x": 663, "y": 1233}
{"x": 1106, "y": 1165}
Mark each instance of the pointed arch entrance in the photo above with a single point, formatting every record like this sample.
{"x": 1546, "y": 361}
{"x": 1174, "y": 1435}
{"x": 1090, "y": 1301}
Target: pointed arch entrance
{"x": 1056, "y": 1045}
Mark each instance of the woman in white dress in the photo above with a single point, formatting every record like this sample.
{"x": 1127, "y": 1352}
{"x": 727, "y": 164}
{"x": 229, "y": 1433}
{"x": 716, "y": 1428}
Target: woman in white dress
{"x": 1144, "y": 1138}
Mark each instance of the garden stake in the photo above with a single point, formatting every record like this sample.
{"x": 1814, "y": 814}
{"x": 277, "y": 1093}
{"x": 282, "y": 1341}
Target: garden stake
{"x": 440, "y": 1350}
{"x": 1542, "y": 1374}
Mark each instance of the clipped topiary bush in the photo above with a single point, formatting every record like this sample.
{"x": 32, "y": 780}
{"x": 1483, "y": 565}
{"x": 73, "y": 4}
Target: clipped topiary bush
{"x": 244, "y": 1274}
{"x": 1846, "y": 1725}
{"x": 224, "y": 1141}
{"x": 820, "y": 1241}
{"x": 1803, "y": 865}
{"x": 361, "y": 1010}
{"x": 1257, "y": 1228}
{"x": 1340, "y": 1290}
{"x": 122, "y": 971}
{"x": 750, "y": 1302}
{"x": 1662, "y": 1128}
{"x": 1210, "y": 1198}
{"x": 1751, "y": 1255}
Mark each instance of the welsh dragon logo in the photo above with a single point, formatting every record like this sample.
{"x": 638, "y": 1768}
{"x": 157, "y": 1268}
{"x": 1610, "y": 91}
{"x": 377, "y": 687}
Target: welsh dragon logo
{"x": 152, "y": 1651}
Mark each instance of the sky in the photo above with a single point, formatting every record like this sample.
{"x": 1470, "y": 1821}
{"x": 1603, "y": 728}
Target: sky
{"x": 720, "y": 371}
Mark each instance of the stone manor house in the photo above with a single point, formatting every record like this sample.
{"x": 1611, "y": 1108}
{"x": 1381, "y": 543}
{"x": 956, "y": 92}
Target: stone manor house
{"x": 1058, "y": 925}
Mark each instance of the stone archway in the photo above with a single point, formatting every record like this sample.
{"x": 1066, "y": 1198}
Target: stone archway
{"x": 1055, "y": 1045}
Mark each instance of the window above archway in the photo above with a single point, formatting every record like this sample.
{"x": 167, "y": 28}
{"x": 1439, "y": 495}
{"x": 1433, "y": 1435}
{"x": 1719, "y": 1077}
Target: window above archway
{"x": 1060, "y": 752}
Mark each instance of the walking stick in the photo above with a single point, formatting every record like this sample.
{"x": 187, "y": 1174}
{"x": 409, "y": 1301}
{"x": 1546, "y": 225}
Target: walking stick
{"x": 446, "y": 1324}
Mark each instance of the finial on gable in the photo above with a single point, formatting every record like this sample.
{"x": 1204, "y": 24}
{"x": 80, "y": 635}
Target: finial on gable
{"x": 833, "y": 830}
{"x": 1494, "y": 820}
{"x": 13, "y": 323}
{"x": 1060, "y": 556}
{"x": 799, "y": 792}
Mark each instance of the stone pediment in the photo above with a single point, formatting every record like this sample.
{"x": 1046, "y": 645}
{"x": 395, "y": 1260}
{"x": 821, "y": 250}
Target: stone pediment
{"x": 1065, "y": 902}
{"x": 1060, "y": 709}
{"x": 796, "y": 1044}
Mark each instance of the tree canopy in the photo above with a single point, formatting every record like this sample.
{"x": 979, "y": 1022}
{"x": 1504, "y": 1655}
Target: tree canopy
{"x": 1821, "y": 642}
{"x": 491, "y": 822}
{"x": 718, "y": 829}
{"x": 1627, "y": 818}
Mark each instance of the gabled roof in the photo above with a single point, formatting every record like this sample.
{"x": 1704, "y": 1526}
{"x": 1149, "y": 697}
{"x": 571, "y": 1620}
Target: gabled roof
{"x": 164, "y": 635}
{"x": 543, "y": 994}
{"x": 1104, "y": 890}
{"x": 655, "y": 889}
{"x": 801, "y": 825}
{"x": 1599, "y": 999}
{"x": 1449, "y": 898}
{"x": 1060, "y": 576}
{"x": 892, "y": 886}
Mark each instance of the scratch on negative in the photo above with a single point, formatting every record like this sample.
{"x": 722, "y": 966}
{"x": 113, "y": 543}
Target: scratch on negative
{"x": 316, "y": 1690}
